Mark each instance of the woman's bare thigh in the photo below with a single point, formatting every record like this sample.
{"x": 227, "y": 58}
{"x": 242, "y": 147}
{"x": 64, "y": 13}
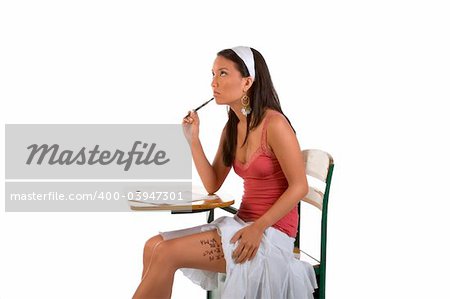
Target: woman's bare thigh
{"x": 199, "y": 251}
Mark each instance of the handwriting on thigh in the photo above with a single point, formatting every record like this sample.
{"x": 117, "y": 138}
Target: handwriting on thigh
{"x": 212, "y": 249}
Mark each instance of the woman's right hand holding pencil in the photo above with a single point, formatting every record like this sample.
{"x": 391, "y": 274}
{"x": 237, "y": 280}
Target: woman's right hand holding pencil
{"x": 191, "y": 124}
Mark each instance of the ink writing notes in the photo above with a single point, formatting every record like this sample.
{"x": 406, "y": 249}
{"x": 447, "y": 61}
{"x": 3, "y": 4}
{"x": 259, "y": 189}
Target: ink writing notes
{"x": 212, "y": 249}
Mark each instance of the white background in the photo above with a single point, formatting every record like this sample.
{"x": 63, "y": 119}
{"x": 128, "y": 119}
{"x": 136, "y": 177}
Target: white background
{"x": 366, "y": 82}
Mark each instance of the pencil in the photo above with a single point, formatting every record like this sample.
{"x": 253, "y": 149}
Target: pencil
{"x": 198, "y": 108}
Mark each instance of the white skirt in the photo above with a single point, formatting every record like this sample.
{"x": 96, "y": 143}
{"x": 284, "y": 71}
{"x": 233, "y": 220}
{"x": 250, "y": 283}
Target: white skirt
{"x": 273, "y": 273}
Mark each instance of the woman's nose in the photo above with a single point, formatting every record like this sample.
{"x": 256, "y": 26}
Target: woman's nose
{"x": 214, "y": 82}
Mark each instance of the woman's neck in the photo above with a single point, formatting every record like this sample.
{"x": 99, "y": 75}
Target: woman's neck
{"x": 236, "y": 107}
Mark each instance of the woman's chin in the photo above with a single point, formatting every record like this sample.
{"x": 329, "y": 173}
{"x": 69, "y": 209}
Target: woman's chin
{"x": 221, "y": 101}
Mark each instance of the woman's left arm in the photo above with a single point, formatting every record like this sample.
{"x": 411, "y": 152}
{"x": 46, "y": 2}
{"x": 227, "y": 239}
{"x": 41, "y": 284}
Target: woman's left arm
{"x": 281, "y": 138}
{"x": 286, "y": 148}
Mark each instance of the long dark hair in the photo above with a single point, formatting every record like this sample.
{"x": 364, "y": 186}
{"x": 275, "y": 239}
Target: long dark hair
{"x": 262, "y": 96}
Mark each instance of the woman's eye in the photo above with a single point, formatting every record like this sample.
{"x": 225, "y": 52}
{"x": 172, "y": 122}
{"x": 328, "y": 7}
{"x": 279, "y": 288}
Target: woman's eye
{"x": 222, "y": 73}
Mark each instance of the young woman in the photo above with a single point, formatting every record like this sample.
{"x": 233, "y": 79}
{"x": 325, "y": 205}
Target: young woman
{"x": 254, "y": 247}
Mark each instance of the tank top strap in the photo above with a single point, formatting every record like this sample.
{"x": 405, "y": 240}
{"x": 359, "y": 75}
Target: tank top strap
{"x": 264, "y": 144}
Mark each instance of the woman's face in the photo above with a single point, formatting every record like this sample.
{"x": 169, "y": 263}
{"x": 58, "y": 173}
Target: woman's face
{"x": 228, "y": 84}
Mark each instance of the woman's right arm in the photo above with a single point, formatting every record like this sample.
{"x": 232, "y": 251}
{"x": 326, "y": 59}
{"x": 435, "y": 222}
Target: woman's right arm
{"x": 214, "y": 175}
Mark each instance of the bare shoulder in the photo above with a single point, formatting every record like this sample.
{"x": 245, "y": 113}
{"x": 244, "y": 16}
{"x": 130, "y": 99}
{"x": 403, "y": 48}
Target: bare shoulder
{"x": 284, "y": 144}
{"x": 278, "y": 123}
{"x": 279, "y": 131}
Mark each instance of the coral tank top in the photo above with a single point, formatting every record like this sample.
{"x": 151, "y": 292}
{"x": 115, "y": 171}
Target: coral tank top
{"x": 264, "y": 183}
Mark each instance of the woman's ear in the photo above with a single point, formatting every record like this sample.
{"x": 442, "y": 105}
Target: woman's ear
{"x": 248, "y": 83}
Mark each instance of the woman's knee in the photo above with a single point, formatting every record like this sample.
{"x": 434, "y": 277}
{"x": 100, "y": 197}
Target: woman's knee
{"x": 164, "y": 254}
{"x": 152, "y": 243}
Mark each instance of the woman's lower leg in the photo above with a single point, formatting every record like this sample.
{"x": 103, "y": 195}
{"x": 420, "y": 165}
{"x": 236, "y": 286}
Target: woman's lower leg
{"x": 148, "y": 252}
{"x": 157, "y": 281}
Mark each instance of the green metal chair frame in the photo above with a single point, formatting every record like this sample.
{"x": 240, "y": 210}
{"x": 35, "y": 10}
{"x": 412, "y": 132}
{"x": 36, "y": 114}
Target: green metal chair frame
{"x": 320, "y": 165}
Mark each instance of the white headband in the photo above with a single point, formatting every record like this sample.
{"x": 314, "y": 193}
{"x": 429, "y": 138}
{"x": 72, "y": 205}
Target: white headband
{"x": 246, "y": 54}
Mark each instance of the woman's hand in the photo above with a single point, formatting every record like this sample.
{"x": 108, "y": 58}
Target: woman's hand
{"x": 249, "y": 240}
{"x": 191, "y": 126}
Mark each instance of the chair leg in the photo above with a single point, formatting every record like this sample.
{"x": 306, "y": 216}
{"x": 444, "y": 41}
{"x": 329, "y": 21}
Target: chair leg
{"x": 322, "y": 289}
{"x": 318, "y": 293}
{"x": 214, "y": 294}
{"x": 210, "y": 216}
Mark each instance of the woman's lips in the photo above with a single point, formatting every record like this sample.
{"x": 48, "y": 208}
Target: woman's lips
{"x": 216, "y": 93}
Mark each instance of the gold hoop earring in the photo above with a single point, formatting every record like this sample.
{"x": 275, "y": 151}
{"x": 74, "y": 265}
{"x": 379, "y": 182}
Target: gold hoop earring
{"x": 245, "y": 101}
